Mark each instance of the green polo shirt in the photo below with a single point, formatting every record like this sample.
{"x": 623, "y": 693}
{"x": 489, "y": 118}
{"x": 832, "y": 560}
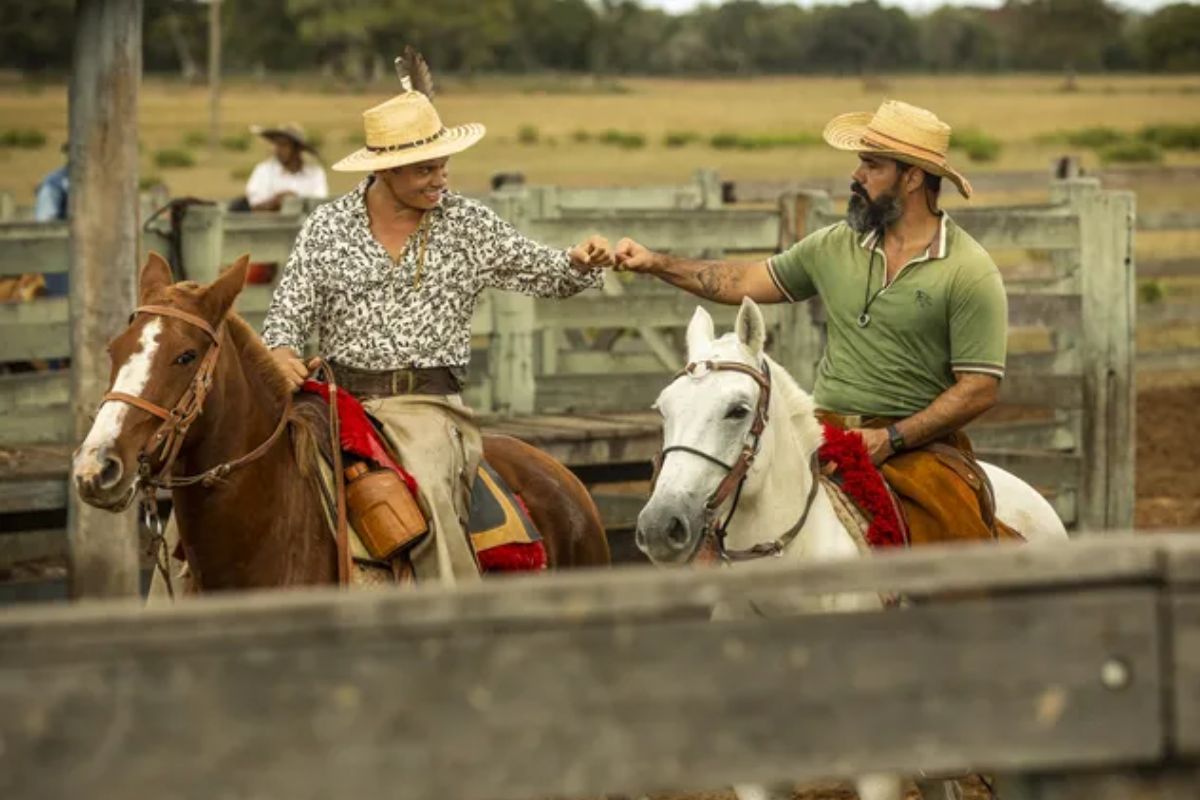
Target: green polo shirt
{"x": 945, "y": 312}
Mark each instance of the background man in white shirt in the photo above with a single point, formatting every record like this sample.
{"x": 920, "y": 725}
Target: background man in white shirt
{"x": 288, "y": 173}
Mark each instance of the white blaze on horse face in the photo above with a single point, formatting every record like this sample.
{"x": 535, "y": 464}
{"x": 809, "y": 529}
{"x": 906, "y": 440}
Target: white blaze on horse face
{"x": 131, "y": 379}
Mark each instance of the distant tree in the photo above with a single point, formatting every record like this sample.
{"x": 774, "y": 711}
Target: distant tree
{"x": 1061, "y": 34}
{"x": 956, "y": 39}
{"x": 862, "y": 37}
{"x": 550, "y": 34}
{"x": 1170, "y": 39}
{"x": 36, "y": 36}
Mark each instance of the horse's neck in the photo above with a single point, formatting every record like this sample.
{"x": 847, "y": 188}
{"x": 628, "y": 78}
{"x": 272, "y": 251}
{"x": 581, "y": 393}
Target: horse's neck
{"x": 260, "y": 526}
{"x": 776, "y": 496}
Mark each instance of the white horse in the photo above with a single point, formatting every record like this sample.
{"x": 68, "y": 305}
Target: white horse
{"x": 708, "y": 419}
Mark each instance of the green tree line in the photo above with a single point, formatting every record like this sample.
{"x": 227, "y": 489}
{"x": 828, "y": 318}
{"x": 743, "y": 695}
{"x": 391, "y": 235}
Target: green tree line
{"x": 355, "y": 38}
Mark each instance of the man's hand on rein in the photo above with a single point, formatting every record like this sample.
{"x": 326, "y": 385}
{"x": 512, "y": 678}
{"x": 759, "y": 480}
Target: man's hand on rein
{"x": 879, "y": 446}
{"x": 592, "y": 253}
{"x": 292, "y": 367}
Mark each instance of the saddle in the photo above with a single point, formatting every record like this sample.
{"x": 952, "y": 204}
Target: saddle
{"x": 383, "y": 506}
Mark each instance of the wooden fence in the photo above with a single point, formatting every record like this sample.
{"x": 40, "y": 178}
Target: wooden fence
{"x": 613, "y": 351}
{"x": 1074, "y": 671}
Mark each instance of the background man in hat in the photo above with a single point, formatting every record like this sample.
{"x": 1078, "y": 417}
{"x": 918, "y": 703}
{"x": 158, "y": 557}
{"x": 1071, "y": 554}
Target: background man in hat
{"x": 287, "y": 173}
{"x": 388, "y": 276}
{"x": 917, "y": 315}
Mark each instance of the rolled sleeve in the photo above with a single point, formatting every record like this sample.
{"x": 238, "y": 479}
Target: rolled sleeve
{"x": 292, "y": 313}
{"x": 509, "y": 260}
{"x": 791, "y": 269}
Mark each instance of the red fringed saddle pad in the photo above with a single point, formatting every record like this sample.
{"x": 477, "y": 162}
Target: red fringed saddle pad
{"x": 863, "y": 483}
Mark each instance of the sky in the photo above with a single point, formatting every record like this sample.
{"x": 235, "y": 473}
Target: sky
{"x": 908, "y": 5}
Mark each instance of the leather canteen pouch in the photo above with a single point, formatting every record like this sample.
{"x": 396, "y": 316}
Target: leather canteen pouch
{"x": 383, "y": 511}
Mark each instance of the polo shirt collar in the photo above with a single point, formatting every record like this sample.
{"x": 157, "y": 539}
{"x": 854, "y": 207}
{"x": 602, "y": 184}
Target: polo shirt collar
{"x": 937, "y": 249}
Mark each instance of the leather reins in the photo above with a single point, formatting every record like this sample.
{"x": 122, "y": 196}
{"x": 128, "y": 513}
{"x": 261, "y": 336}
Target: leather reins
{"x": 736, "y": 473}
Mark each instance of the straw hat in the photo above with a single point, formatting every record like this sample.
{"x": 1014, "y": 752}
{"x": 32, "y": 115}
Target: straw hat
{"x": 406, "y": 130}
{"x": 900, "y": 131}
{"x": 290, "y": 130}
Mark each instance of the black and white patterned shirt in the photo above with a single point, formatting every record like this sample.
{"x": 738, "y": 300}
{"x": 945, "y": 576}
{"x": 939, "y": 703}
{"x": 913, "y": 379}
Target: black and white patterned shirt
{"x": 373, "y": 313}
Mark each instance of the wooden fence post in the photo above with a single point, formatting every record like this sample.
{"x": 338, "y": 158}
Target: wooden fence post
{"x": 801, "y": 339}
{"x": 1107, "y": 351}
{"x": 103, "y": 226}
{"x": 511, "y": 357}
{"x": 203, "y": 237}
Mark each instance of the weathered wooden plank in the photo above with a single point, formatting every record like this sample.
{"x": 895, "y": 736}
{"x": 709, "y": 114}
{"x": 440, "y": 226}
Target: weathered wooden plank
{"x": 1167, "y": 360}
{"x": 1041, "y": 227}
{"x": 728, "y": 230}
{"x": 1168, "y": 268}
{"x": 34, "y": 389}
{"x": 1180, "y": 219}
{"x": 1184, "y": 611}
{"x": 39, "y": 329}
{"x": 1053, "y": 391}
{"x": 1046, "y": 310}
{"x": 37, "y": 495}
{"x": 500, "y": 703}
{"x": 1150, "y": 314}
{"x": 33, "y": 247}
{"x": 1146, "y": 783}
{"x": 34, "y": 462}
{"x": 1037, "y": 467}
{"x": 36, "y": 425}
{"x": 1036, "y": 435}
{"x": 629, "y": 311}
{"x": 22, "y": 546}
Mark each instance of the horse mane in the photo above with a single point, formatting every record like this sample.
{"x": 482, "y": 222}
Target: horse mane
{"x": 260, "y": 364}
{"x": 802, "y": 410}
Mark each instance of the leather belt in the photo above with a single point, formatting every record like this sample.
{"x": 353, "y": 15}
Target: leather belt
{"x": 373, "y": 383}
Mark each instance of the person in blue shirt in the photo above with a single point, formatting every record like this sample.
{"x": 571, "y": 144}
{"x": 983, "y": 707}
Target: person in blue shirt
{"x": 50, "y": 205}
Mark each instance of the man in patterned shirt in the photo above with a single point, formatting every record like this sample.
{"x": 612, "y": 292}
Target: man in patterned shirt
{"x": 388, "y": 276}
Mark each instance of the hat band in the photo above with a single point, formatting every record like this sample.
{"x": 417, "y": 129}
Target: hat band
{"x": 407, "y": 145}
{"x": 877, "y": 139}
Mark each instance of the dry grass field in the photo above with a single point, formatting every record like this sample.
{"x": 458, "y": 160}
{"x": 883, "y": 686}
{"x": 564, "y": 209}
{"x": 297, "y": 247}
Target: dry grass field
{"x": 1018, "y": 111}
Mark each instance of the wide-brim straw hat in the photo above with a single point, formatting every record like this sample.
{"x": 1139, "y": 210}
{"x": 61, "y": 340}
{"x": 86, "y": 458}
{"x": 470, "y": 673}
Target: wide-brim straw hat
{"x": 900, "y": 131}
{"x": 407, "y": 130}
{"x": 289, "y": 130}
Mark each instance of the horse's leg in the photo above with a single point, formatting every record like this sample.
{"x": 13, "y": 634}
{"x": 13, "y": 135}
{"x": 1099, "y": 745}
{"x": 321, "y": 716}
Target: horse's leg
{"x": 880, "y": 787}
{"x": 558, "y": 503}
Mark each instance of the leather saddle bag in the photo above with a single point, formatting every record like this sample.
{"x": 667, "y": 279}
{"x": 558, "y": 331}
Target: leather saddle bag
{"x": 383, "y": 511}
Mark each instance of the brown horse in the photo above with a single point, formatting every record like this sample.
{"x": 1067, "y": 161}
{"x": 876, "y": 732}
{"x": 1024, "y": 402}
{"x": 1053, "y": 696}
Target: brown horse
{"x": 262, "y": 524}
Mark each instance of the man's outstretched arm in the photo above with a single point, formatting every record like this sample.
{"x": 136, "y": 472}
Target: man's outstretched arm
{"x": 721, "y": 281}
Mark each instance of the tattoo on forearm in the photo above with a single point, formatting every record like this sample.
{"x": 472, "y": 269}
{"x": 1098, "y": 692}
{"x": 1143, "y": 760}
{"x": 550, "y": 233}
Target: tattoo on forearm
{"x": 714, "y": 280}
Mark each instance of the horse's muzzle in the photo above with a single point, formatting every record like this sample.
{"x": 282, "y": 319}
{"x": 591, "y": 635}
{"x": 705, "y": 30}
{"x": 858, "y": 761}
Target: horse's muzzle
{"x": 666, "y": 537}
{"x": 100, "y": 478}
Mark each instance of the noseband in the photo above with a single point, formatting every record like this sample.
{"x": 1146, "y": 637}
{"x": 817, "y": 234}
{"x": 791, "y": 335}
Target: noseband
{"x": 736, "y": 473}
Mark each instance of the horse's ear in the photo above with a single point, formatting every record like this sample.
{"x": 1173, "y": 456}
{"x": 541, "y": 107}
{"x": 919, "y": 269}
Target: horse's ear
{"x": 219, "y": 295}
{"x": 154, "y": 277}
{"x": 750, "y": 326}
{"x": 699, "y": 333}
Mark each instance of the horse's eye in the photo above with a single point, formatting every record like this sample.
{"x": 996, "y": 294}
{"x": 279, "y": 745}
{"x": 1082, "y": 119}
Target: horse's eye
{"x": 738, "y": 412}
{"x": 187, "y": 357}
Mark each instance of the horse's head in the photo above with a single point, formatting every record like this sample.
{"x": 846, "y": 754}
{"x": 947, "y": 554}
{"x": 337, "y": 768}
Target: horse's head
{"x": 155, "y": 363}
{"x": 708, "y": 420}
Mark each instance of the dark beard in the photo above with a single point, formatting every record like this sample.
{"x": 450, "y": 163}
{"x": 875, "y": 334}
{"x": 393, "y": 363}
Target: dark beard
{"x": 864, "y": 214}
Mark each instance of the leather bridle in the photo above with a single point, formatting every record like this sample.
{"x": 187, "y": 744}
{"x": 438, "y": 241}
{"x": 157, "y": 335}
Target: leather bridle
{"x": 736, "y": 473}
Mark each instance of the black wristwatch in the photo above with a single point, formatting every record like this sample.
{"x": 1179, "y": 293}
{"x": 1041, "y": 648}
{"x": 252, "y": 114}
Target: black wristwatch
{"x": 895, "y": 438}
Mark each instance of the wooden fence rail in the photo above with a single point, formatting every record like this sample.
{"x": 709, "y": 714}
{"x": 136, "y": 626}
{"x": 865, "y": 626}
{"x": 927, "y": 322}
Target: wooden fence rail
{"x": 1071, "y": 661}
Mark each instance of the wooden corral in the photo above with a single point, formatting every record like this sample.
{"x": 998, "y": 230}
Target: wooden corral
{"x": 1072, "y": 670}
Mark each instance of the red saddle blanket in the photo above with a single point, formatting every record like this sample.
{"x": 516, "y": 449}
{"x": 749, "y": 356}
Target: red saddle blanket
{"x": 500, "y": 530}
{"x": 845, "y": 455}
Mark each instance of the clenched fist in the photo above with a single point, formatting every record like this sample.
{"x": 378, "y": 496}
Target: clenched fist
{"x": 633, "y": 257}
{"x": 592, "y": 253}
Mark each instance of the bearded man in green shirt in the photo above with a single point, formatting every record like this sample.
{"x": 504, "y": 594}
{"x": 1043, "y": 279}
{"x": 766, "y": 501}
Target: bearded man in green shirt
{"x": 917, "y": 316}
